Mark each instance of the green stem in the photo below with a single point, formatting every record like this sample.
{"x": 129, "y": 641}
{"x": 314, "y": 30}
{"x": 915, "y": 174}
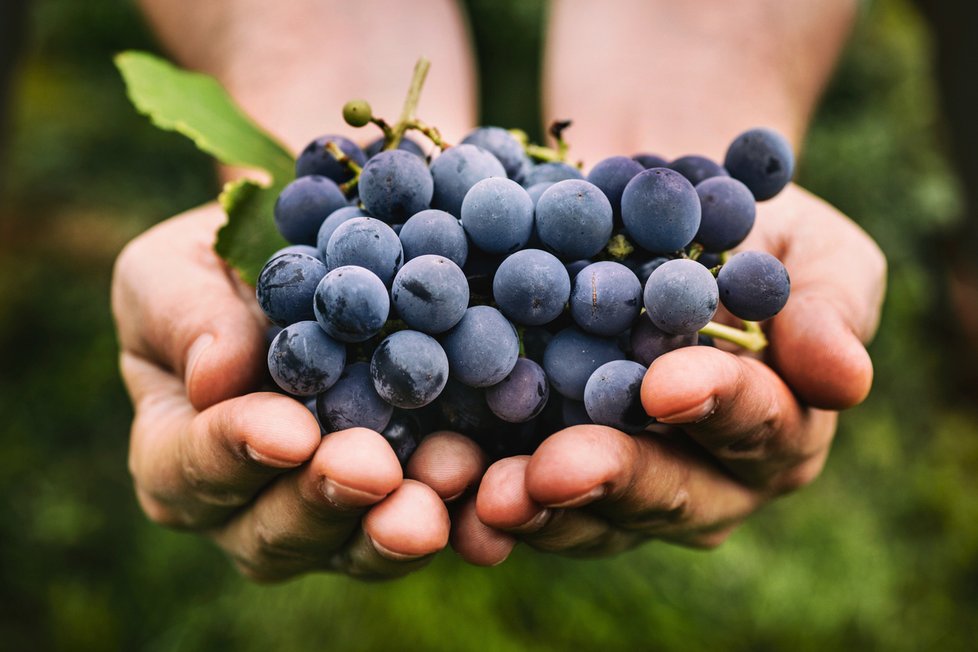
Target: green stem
{"x": 695, "y": 251}
{"x": 341, "y": 158}
{"x": 752, "y": 339}
{"x": 384, "y": 127}
{"x": 541, "y": 153}
{"x": 430, "y": 132}
{"x": 410, "y": 103}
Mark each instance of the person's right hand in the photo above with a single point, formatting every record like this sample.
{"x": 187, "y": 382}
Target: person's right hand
{"x": 250, "y": 470}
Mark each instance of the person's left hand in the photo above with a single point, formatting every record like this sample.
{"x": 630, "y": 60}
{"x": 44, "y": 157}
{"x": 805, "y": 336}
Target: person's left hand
{"x": 733, "y": 431}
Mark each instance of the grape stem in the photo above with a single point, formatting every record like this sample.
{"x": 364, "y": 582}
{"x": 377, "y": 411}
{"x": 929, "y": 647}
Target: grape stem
{"x": 695, "y": 251}
{"x": 751, "y": 337}
{"x": 341, "y": 158}
{"x": 430, "y": 132}
{"x": 410, "y": 103}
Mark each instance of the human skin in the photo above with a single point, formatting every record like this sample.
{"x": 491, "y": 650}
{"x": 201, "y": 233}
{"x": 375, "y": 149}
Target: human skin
{"x": 248, "y": 469}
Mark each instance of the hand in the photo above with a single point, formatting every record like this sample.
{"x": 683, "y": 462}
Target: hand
{"x": 250, "y": 470}
{"x": 734, "y": 432}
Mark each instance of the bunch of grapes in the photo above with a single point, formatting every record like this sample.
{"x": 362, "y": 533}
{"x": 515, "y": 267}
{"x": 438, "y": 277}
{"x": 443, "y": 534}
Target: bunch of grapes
{"x": 495, "y": 290}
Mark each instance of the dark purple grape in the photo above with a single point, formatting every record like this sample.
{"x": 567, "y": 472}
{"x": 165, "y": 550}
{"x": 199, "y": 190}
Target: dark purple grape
{"x": 763, "y": 160}
{"x": 314, "y": 159}
{"x": 728, "y": 210}
{"x": 304, "y": 361}
{"x": 661, "y": 210}
{"x": 697, "y": 169}
{"x": 613, "y": 396}
{"x": 681, "y": 296}
{"x": 353, "y": 402}
{"x": 521, "y": 395}
{"x": 754, "y": 285}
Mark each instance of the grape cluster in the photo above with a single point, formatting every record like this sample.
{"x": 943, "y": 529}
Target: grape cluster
{"x": 502, "y": 298}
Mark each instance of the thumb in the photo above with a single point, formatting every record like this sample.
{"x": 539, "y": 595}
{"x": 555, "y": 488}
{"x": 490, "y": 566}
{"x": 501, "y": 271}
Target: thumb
{"x": 818, "y": 353}
{"x": 177, "y": 305}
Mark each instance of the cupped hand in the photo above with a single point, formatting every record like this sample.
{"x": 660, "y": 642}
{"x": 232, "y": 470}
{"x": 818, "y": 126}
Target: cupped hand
{"x": 249, "y": 469}
{"x": 733, "y": 431}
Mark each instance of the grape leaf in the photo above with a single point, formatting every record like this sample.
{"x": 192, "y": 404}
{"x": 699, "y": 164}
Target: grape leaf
{"x": 249, "y": 236}
{"x": 198, "y": 107}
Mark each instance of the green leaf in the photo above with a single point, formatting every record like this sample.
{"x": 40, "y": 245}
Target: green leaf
{"x": 198, "y": 107}
{"x": 249, "y": 236}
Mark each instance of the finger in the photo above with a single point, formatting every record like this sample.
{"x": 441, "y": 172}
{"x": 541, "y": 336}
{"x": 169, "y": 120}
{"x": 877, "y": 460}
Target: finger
{"x": 665, "y": 488}
{"x": 194, "y": 469}
{"x": 838, "y": 280}
{"x": 504, "y": 503}
{"x": 399, "y": 536}
{"x": 740, "y": 411}
{"x": 476, "y": 542}
{"x": 176, "y": 304}
{"x": 819, "y": 354}
{"x": 301, "y": 521}
{"x": 447, "y": 462}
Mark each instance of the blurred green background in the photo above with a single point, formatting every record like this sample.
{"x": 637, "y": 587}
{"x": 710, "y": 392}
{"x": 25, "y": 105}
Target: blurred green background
{"x": 880, "y": 553}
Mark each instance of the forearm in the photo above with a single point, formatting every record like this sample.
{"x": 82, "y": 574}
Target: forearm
{"x": 679, "y": 78}
{"x": 292, "y": 65}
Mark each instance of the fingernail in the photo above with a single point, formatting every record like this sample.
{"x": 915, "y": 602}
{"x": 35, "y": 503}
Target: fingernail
{"x": 265, "y": 460}
{"x": 535, "y": 523}
{"x": 194, "y": 354}
{"x": 694, "y": 414}
{"x": 589, "y": 497}
{"x": 346, "y": 497}
{"x": 390, "y": 554}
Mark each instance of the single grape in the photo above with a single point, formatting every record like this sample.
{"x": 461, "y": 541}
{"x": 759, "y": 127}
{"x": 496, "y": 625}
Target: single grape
{"x": 434, "y": 232}
{"x": 302, "y": 206}
{"x": 329, "y": 225}
{"x": 697, "y": 169}
{"x": 613, "y": 396}
{"x": 351, "y": 304}
{"x": 406, "y": 145}
{"x": 430, "y": 294}
{"x": 403, "y": 433}
{"x": 728, "y": 210}
{"x": 763, "y": 160}
{"x": 661, "y": 210}
{"x": 497, "y": 215}
{"x": 456, "y": 170}
{"x": 366, "y": 242}
{"x": 754, "y": 285}
{"x": 681, "y": 296}
{"x": 650, "y": 161}
{"x": 550, "y": 172}
{"x": 482, "y": 348}
{"x": 501, "y": 144}
{"x": 286, "y": 286}
{"x": 315, "y": 159}
{"x": 353, "y": 402}
{"x": 531, "y": 287}
{"x": 648, "y": 342}
{"x": 612, "y": 175}
{"x": 409, "y": 369}
{"x": 303, "y": 360}
{"x": 521, "y": 395}
{"x": 395, "y": 185}
{"x": 606, "y": 298}
{"x": 571, "y": 358}
{"x": 357, "y": 113}
{"x": 574, "y": 219}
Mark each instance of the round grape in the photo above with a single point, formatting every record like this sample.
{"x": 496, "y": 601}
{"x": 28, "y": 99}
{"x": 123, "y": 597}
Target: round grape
{"x": 366, "y": 242}
{"x": 434, "y": 232}
{"x": 681, "y": 296}
{"x": 754, "y": 285}
{"x": 409, "y": 369}
{"x": 302, "y": 206}
{"x": 351, "y": 304}
{"x": 521, "y": 395}
{"x": 574, "y": 219}
{"x": 501, "y": 144}
{"x": 571, "y": 358}
{"x": 303, "y": 360}
{"x": 482, "y": 348}
{"x": 430, "y": 293}
{"x": 531, "y": 287}
{"x": 606, "y": 298}
{"x": 728, "y": 210}
{"x": 613, "y": 396}
{"x": 697, "y": 169}
{"x": 286, "y": 286}
{"x": 456, "y": 170}
{"x": 661, "y": 210}
{"x": 497, "y": 215}
{"x": 315, "y": 159}
{"x": 763, "y": 160}
{"x": 353, "y": 402}
{"x": 395, "y": 185}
